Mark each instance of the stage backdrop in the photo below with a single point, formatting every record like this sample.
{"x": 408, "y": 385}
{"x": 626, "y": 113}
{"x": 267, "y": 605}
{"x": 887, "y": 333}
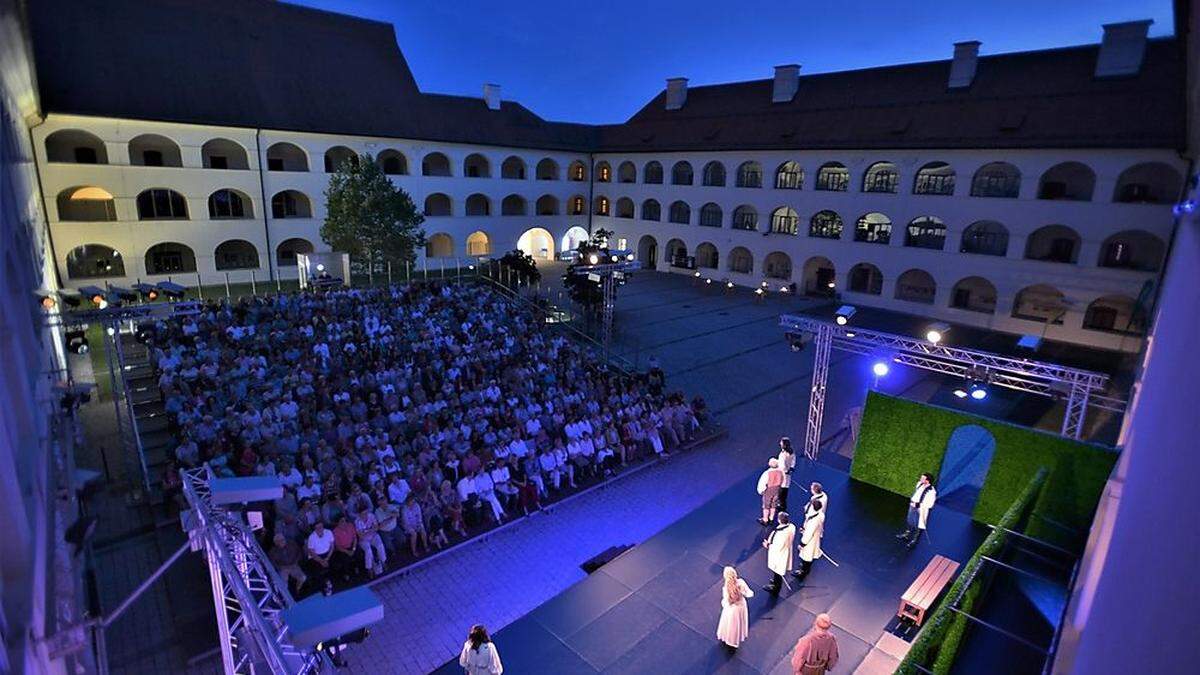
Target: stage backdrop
{"x": 899, "y": 439}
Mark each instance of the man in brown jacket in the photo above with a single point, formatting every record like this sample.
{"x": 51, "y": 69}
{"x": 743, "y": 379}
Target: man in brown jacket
{"x": 816, "y": 652}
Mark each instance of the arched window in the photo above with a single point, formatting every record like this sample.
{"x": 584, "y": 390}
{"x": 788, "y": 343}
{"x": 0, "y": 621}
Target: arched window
{"x": 229, "y": 204}
{"x": 1040, "y": 302}
{"x": 681, "y": 173}
{"x": 547, "y": 169}
{"x": 707, "y": 256}
{"x": 651, "y": 210}
{"x": 624, "y": 207}
{"x": 1115, "y": 314}
{"x": 881, "y": 177}
{"x": 749, "y": 175}
{"x": 745, "y": 218}
{"x": 161, "y": 204}
{"x": 437, "y": 204}
{"x": 512, "y": 205}
{"x": 547, "y": 205}
{"x": 820, "y": 277}
{"x": 286, "y": 157}
{"x": 974, "y": 294}
{"x": 916, "y": 286}
{"x": 440, "y": 245}
{"x": 985, "y": 237}
{"x": 1133, "y": 250}
{"x": 652, "y": 173}
{"x": 476, "y": 166}
{"x": 680, "y": 212}
{"x": 714, "y": 174}
{"x": 1148, "y": 183}
{"x": 478, "y": 244}
{"x": 998, "y": 179}
{"x": 288, "y": 249}
{"x": 866, "y": 278}
{"x": 236, "y": 254}
{"x": 170, "y": 258}
{"x": 94, "y": 261}
{"x": 1069, "y": 180}
{"x": 825, "y": 225}
{"x": 603, "y": 172}
{"x": 789, "y": 176}
{"x": 154, "y": 150}
{"x": 926, "y": 232}
{"x": 677, "y": 253}
{"x": 741, "y": 261}
{"x": 393, "y": 163}
{"x": 873, "y": 228}
{"x": 648, "y": 252}
{"x": 86, "y": 204}
{"x": 784, "y": 220}
{"x": 339, "y": 156}
{"x": 627, "y": 172}
{"x": 777, "y": 265}
{"x": 601, "y": 205}
{"x": 435, "y": 164}
{"x": 75, "y": 146}
{"x": 577, "y": 206}
{"x": 290, "y": 204}
{"x": 512, "y": 168}
{"x": 710, "y": 215}
{"x": 577, "y": 171}
{"x": 222, "y": 153}
{"x": 478, "y": 205}
{"x": 833, "y": 177}
{"x": 935, "y": 178}
{"x": 1053, "y": 243}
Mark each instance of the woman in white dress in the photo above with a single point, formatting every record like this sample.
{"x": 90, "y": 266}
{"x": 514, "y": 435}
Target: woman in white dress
{"x": 479, "y": 655}
{"x": 734, "y": 625}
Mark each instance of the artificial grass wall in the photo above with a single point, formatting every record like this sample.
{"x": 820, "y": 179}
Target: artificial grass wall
{"x": 899, "y": 439}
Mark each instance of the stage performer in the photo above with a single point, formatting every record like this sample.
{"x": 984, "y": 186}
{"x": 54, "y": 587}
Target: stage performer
{"x": 923, "y": 499}
{"x": 768, "y": 486}
{"x": 817, "y": 492}
{"x": 734, "y": 625}
{"x": 779, "y": 551}
{"x": 787, "y": 464}
{"x": 479, "y": 655}
{"x": 817, "y": 652}
{"x": 810, "y": 537}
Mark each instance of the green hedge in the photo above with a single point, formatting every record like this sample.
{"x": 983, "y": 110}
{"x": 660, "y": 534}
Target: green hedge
{"x": 899, "y": 439}
{"x": 943, "y": 632}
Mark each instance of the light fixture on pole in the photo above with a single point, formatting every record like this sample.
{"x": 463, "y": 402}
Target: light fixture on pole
{"x": 936, "y": 332}
{"x": 844, "y": 314}
{"x": 978, "y": 391}
{"x": 879, "y": 369}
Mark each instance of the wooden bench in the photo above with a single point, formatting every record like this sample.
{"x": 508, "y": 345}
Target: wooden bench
{"x": 923, "y": 592}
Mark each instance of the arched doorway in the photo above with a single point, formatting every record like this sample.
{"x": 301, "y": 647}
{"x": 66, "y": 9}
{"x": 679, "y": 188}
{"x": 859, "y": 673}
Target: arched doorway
{"x": 820, "y": 277}
{"x": 538, "y": 243}
{"x": 478, "y": 244}
{"x": 648, "y": 252}
{"x": 440, "y": 245}
{"x": 965, "y": 467}
{"x": 573, "y": 238}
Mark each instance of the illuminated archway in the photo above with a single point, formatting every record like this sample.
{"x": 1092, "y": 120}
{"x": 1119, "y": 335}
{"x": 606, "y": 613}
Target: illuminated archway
{"x": 573, "y": 238}
{"x": 537, "y": 242}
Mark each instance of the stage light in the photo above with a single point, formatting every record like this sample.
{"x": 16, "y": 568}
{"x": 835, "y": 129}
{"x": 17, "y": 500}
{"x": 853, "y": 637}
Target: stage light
{"x": 708, "y": 281}
{"x": 77, "y": 342}
{"x": 48, "y": 301}
{"x": 728, "y": 284}
{"x": 320, "y": 267}
{"x": 171, "y": 289}
{"x": 763, "y": 284}
{"x": 758, "y": 291}
{"x": 148, "y": 291}
{"x": 594, "y": 259}
{"x": 111, "y": 331}
{"x": 629, "y": 257}
{"x": 844, "y": 314}
{"x": 97, "y": 299}
{"x": 831, "y": 284}
{"x": 697, "y": 274}
{"x": 880, "y": 369}
{"x": 937, "y": 332}
{"x": 1186, "y": 206}
{"x": 784, "y": 288}
{"x": 797, "y": 341}
{"x": 978, "y": 392}
{"x": 960, "y": 392}
{"x": 614, "y": 257}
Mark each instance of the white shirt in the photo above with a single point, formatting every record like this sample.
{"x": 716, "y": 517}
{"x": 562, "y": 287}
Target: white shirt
{"x": 320, "y": 544}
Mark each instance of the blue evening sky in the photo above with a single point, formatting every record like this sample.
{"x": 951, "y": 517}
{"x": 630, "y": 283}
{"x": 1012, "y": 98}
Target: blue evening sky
{"x": 601, "y": 61}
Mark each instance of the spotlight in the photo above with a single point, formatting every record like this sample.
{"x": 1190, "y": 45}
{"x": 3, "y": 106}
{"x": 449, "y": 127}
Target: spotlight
{"x": 978, "y": 391}
{"x": 880, "y": 368}
{"x": 696, "y": 274}
{"x": 47, "y": 301}
{"x": 148, "y": 291}
{"x": 77, "y": 342}
{"x": 1186, "y": 206}
{"x": 763, "y": 284}
{"x": 470, "y": 267}
{"x": 111, "y": 331}
{"x": 844, "y": 314}
{"x": 758, "y": 291}
{"x": 937, "y": 332}
{"x": 708, "y": 281}
{"x": 629, "y": 257}
{"x": 831, "y": 285}
{"x": 614, "y": 258}
{"x": 784, "y": 288}
{"x": 594, "y": 259}
{"x": 728, "y": 284}
{"x": 320, "y": 267}
{"x": 960, "y": 392}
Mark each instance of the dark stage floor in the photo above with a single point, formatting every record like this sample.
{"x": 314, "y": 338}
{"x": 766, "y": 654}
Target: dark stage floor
{"x": 655, "y": 608}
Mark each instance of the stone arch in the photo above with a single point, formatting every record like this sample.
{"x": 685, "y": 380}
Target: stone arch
{"x": 440, "y": 245}
{"x": 1073, "y": 181}
{"x": 435, "y": 164}
{"x": 974, "y": 294}
{"x": 228, "y": 203}
{"x": 547, "y": 169}
{"x": 1053, "y": 243}
{"x": 648, "y": 251}
{"x": 996, "y": 179}
{"x": 985, "y": 237}
{"x": 288, "y": 249}
{"x": 95, "y": 261}
{"x": 625, "y": 207}
{"x": 170, "y": 257}
{"x": 283, "y": 156}
{"x": 86, "y": 204}
{"x": 1134, "y": 250}
{"x": 820, "y": 277}
{"x": 866, "y": 278}
{"x": 713, "y": 174}
{"x": 438, "y": 204}
{"x": 934, "y": 178}
{"x": 778, "y": 265}
{"x": 338, "y": 156}
{"x": 881, "y": 177}
{"x": 676, "y": 252}
{"x": 393, "y": 162}
{"x": 627, "y": 172}
{"x": 573, "y": 237}
{"x": 1040, "y": 302}
{"x": 547, "y": 205}
{"x": 236, "y": 254}
{"x": 476, "y": 165}
{"x": 513, "y": 205}
{"x": 512, "y": 168}
{"x": 161, "y": 204}
{"x": 916, "y": 285}
{"x": 222, "y": 153}
{"x": 1148, "y": 182}
{"x": 478, "y": 244}
{"x": 290, "y": 204}
{"x": 707, "y": 256}
{"x": 741, "y": 260}
{"x": 1115, "y": 314}
{"x": 154, "y": 150}
{"x": 75, "y": 146}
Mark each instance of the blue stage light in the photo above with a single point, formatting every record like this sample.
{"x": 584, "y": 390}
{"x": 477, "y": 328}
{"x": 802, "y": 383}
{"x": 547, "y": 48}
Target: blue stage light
{"x": 880, "y": 369}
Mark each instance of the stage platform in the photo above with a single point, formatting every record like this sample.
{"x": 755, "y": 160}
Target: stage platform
{"x": 654, "y": 609}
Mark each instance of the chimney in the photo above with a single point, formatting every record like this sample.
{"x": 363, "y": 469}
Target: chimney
{"x": 491, "y": 96}
{"x": 962, "y": 68}
{"x": 1122, "y": 48}
{"x": 676, "y": 92}
{"x": 787, "y": 81}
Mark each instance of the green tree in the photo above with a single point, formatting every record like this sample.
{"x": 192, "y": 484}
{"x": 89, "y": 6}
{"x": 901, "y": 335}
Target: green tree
{"x": 523, "y": 266}
{"x": 369, "y": 217}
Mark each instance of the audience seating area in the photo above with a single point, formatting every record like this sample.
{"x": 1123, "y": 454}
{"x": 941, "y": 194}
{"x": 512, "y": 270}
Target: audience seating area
{"x": 401, "y": 420}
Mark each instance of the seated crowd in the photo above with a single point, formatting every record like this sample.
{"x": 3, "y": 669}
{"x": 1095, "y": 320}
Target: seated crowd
{"x": 399, "y": 419}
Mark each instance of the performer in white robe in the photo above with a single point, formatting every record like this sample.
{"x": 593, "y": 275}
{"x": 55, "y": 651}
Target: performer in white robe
{"x": 734, "y": 625}
{"x": 810, "y": 537}
{"x": 787, "y": 464}
{"x": 779, "y": 551}
{"x": 923, "y": 499}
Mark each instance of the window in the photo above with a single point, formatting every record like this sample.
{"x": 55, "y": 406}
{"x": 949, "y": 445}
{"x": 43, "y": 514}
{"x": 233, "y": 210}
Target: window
{"x": 881, "y": 177}
{"x": 603, "y": 173}
{"x": 226, "y": 204}
{"x": 435, "y": 164}
{"x": 825, "y": 225}
{"x": 547, "y": 169}
{"x": 974, "y": 294}
{"x": 236, "y": 254}
{"x": 94, "y": 261}
{"x": 741, "y": 261}
{"x": 873, "y": 228}
{"x": 866, "y": 278}
{"x": 681, "y": 174}
{"x": 75, "y": 145}
{"x": 624, "y": 207}
{"x": 1053, "y": 243}
{"x": 576, "y": 206}
{"x": 745, "y": 218}
{"x": 393, "y": 163}
{"x": 476, "y": 166}
{"x": 170, "y": 258}
{"x": 714, "y": 174}
{"x": 651, "y": 210}
{"x": 627, "y": 173}
{"x": 274, "y": 164}
{"x": 1069, "y": 180}
{"x": 710, "y": 215}
{"x": 985, "y": 237}
{"x": 926, "y": 232}
{"x": 86, "y": 156}
{"x": 290, "y": 204}
{"x": 577, "y": 172}
{"x": 789, "y": 176}
{"x": 653, "y": 173}
{"x": 833, "y": 177}
{"x": 601, "y": 205}
{"x": 161, "y": 204}
{"x": 784, "y": 221}
{"x": 286, "y": 157}
{"x": 680, "y": 213}
{"x": 152, "y": 158}
{"x": 749, "y": 175}
{"x": 86, "y": 204}
{"x": 224, "y": 154}
{"x": 512, "y": 205}
{"x": 935, "y": 178}
{"x": 289, "y": 248}
{"x": 1148, "y": 183}
{"x": 916, "y": 286}
{"x": 154, "y": 150}
{"x": 478, "y": 205}
{"x": 513, "y": 168}
{"x": 218, "y": 162}
{"x": 998, "y": 179}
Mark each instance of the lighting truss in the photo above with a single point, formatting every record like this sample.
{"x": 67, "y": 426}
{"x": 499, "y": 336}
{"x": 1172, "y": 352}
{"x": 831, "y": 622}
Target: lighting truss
{"x": 1080, "y": 387}
{"x": 608, "y": 286}
{"x": 248, "y": 593}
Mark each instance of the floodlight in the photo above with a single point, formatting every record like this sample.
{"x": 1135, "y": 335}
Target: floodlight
{"x": 172, "y": 289}
{"x": 784, "y": 288}
{"x": 148, "y": 291}
{"x": 320, "y": 267}
{"x": 47, "y": 301}
{"x": 758, "y": 291}
{"x": 696, "y": 274}
{"x": 593, "y": 259}
{"x": 111, "y": 331}
{"x": 880, "y": 368}
{"x": 629, "y": 257}
{"x": 937, "y": 332}
{"x": 844, "y": 314}
{"x": 614, "y": 258}
{"x": 708, "y": 281}
{"x": 832, "y": 284}
{"x": 728, "y": 284}
{"x": 960, "y": 392}
{"x": 978, "y": 391}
